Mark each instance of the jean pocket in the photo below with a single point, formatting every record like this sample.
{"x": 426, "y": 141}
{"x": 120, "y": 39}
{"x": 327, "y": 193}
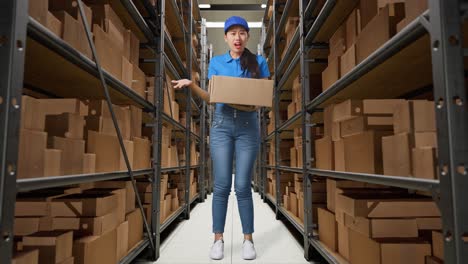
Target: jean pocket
{"x": 217, "y": 121}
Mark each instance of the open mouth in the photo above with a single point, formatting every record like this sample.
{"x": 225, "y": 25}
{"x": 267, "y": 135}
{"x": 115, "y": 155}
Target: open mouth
{"x": 237, "y": 45}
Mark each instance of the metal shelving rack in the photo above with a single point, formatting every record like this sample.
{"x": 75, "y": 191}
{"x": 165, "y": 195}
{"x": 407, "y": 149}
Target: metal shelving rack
{"x": 16, "y": 28}
{"x": 437, "y": 35}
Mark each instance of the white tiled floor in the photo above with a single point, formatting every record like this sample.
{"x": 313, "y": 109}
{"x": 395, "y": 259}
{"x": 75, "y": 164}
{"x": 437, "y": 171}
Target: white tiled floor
{"x": 191, "y": 240}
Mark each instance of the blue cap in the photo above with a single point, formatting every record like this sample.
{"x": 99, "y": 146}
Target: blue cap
{"x": 236, "y": 21}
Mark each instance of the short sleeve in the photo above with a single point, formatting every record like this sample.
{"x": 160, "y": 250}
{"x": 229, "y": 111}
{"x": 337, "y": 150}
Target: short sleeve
{"x": 263, "y": 66}
{"x": 211, "y": 69}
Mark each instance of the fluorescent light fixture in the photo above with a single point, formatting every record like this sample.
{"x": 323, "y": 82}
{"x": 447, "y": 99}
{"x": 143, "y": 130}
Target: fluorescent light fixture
{"x": 221, "y": 24}
{"x": 204, "y": 6}
{"x": 263, "y": 5}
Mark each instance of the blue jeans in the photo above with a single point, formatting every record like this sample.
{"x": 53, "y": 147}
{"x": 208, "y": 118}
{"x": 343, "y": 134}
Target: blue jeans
{"x": 233, "y": 132}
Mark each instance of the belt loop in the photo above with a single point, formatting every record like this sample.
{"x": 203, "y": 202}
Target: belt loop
{"x": 235, "y": 113}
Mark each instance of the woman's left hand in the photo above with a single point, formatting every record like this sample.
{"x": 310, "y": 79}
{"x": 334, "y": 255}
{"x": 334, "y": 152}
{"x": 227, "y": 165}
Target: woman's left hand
{"x": 179, "y": 84}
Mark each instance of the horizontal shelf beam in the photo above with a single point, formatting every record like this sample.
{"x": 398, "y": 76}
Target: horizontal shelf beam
{"x": 24, "y": 185}
{"x": 290, "y": 169}
{"x": 395, "y": 181}
{"x": 293, "y": 221}
{"x": 139, "y": 20}
{"x": 289, "y": 70}
{"x": 324, "y": 252}
{"x": 284, "y": 17}
{"x": 289, "y": 51}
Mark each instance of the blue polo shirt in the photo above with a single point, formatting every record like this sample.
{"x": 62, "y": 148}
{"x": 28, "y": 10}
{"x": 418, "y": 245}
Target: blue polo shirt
{"x": 225, "y": 65}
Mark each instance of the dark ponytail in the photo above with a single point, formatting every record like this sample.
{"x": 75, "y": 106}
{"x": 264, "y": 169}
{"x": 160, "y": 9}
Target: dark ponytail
{"x": 249, "y": 62}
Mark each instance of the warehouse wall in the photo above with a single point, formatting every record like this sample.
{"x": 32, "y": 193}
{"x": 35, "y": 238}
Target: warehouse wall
{"x": 216, "y": 35}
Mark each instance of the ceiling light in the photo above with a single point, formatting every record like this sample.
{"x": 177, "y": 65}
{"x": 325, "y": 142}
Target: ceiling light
{"x": 263, "y": 5}
{"x": 204, "y": 6}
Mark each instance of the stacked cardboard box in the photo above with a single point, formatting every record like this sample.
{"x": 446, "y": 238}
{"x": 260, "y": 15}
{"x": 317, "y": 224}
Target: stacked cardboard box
{"x": 116, "y": 46}
{"x": 166, "y": 199}
{"x": 102, "y": 138}
{"x": 293, "y": 197}
{"x": 370, "y": 25}
{"x": 51, "y": 138}
{"x": 392, "y": 137}
{"x": 289, "y": 30}
{"x": 360, "y": 215}
{"x": 284, "y": 150}
{"x": 73, "y": 225}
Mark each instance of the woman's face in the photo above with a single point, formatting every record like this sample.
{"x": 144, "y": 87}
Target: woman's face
{"x": 236, "y": 38}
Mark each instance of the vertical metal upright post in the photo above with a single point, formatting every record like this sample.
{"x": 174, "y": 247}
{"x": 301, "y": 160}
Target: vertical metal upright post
{"x": 276, "y": 109}
{"x": 188, "y": 119}
{"x": 157, "y": 129}
{"x": 13, "y": 23}
{"x": 263, "y": 158}
{"x": 450, "y": 96}
{"x": 203, "y": 110}
{"x": 307, "y": 141}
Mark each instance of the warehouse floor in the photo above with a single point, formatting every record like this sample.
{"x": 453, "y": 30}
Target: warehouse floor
{"x": 191, "y": 240}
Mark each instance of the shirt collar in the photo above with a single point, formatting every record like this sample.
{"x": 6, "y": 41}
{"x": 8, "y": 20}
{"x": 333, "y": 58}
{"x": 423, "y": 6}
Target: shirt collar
{"x": 228, "y": 58}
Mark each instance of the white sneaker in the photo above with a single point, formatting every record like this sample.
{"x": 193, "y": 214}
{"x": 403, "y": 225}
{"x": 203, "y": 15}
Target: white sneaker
{"x": 248, "y": 250}
{"x": 217, "y": 250}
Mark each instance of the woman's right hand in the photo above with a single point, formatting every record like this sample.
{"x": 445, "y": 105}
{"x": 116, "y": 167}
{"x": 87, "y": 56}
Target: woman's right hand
{"x": 179, "y": 84}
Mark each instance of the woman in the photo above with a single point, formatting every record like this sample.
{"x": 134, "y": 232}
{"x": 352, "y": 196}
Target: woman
{"x": 234, "y": 131}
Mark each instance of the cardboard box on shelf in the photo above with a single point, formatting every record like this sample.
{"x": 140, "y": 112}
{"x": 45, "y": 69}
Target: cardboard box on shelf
{"x": 346, "y": 110}
{"x": 429, "y": 223}
{"x": 38, "y": 10}
{"x": 424, "y": 163}
{"x": 54, "y": 246}
{"x": 95, "y": 226}
{"x": 30, "y": 225}
{"x": 324, "y": 153}
{"x": 415, "y": 8}
{"x": 73, "y": 32}
{"x": 31, "y": 160}
{"x": 397, "y": 155}
{"x": 110, "y": 55}
{"x": 348, "y": 60}
{"x": 83, "y": 205}
{"x": 139, "y": 81}
{"x": 293, "y": 203}
{"x": 96, "y": 249}
{"x": 65, "y": 125}
{"x": 353, "y": 28}
{"x": 328, "y": 229}
{"x": 291, "y": 109}
{"x": 380, "y": 206}
{"x": 380, "y": 106}
{"x": 26, "y": 257}
{"x": 54, "y": 24}
{"x": 136, "y": 120}
{"x": 72, "y": 9}
{"x": 339, "y": 156}
{"x": 382, "y": 228}
{"x": 122, "y": 240}
{"x": 293, "y": 157}
{"x": 334, "y": 186}
{"x": 60, "y": 106}
{"x": 72, "y": 154}
{"x": 175, "y": 204}
{"x": 52, "y": 162}
{"x": 127, "y": 73}
{"x": 364, "y": 250}
{"x": 337, "y": 43}
{"x": 336, "y": 131}
{"x": 89, "y": 163}
{"x": 425, "y": 139}
{"x": 32, "y": 207}
{"x": 70, "y": 260}
{"x": 343, "y": 240}
{"x": 129, "y": 192}
{"x": 328, "y": 119}
{"x": 142, "y": 153}
{"x": 175, "y": 111}
{"x": 368, "y": 9}
{"x": 109, "y": 156}
{"x": 32, "y": 114}
{"x": 242, "y": 91}
{"x": 299, "y": 155}
{"x": 363, "y": 152}
{"x": 331, "y": 74}
{"x": 414, "y": 116}
{"x": 300, "y": 208}
{"x": 437, "y": 244}
{"x": 379, "y": 30}
{"x": 135, "y": 227}
{"x": 361, "y": 124}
